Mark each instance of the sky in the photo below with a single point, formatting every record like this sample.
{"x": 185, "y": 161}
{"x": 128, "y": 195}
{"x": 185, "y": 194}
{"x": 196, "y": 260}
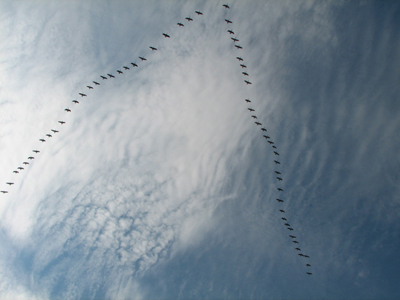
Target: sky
{"x": 161, "y": 186}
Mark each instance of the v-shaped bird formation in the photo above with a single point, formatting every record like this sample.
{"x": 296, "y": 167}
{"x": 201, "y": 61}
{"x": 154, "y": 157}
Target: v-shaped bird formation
{"x": 278, "y": 174}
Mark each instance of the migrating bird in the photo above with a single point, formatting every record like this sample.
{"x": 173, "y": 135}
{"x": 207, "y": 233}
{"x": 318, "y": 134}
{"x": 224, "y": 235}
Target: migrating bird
{"x": 309, "y": 273}
{"x": 189, "y": 19}
{"x": 274, "y": 147}
{"x": 25, "y": 163}
{"x": 228, "y": 21}
{"x": 296, "y": 242}
{"x": 287, "y": 224}
{"x": 55, "y": 131}
{"x": 263, "y": 129}
{"x": 4, "y": 192}
{"x": 198, "y": 12}
{"x": 277, "y": 162}
{"x": 284, "y": 219}
{"x": 225, "y": 5}
{"x": 103, "y": 77}
{"x": 67, "y": 110}
{"x": 298, "y": 249}
{"x": 245, "y": 73}
{"x": 239, "y": 58}
{"x": 243, "y": 66}
{"x": 61, "y": 122}
{"x": 279, "y": 200}
{"x": 247, "y": 100}
{"x": 96, "y": 83}
{"x": 281, "y": 210}
{"x": 308, "y": 265}
{"x": 230, "y": 32}
{"x": 271, "y": 142}
{"x": 276, "y": 153}
{"x": 36, "y": 151}
{"x": 300, "y": 254}
{"x": 180, "y": 24}
{"x": 111, "y": 75}
{"x": 266, "y": 136}
{"x": 10, "y": 183}
{"x": 42, "y": 140}
{"x": 166, "y": 35}
{"x": 306, "y": 256}
{"x": 31, "y": 157}
{"x": 15, "y": 172}
{"x": 134, "y": 65}
{"x": 279, "y": 189}
{"x": 120, "y": 72}
{"x": 280, "y": 179}
{"x": 248, "y": 82}
{"x": 254, "y": 117}
{"x": 239, "y": 47}
{"x": 89, "y": 87}
{"x": 250, "y": 109}
{"x": 49, "y": 135}
{"x": 83, "y": 95}
{"x": 277, "y": 172}
{"x": 291, "y": 229}
{"x": 142, "y": 58}
{"x": 20, "y": 168}
{"x": 153, "y": 48}
{"x": 126, "y": 68}
{"x": 235, "y": 39}
{"x": 292, "y": 236}
{"x": 258, "y": 123}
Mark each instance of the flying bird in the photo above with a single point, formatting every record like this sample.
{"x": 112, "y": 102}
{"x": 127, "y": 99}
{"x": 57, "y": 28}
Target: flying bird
{"x": 277, "y": 172}
{"x": 273, "y": 146}
{"x": 67, "y": 110}
{"x": 120, "y": 72}
{"x": 4, "y": 192}
{"x": 36, "y": 151}
{"x": 134, "y": 65}
{"x": 296, "y": 242}
{"x": 83, "y": 95}
{"x": 245, "y": 73}
{"x": 225, "y": 5}
{"x": 238, "y": 46}
{"x": 266, "y": 136}
{"x": 247, "y": 82}
{"x": 61, "y": 122}
{"x": 166, "y": 35}
{"x": 309, "y": 273}
{"x": 15, "y": 172}
{"x": 284, "y": 219}
{"x": 126, "y": 68}
{"x": 239, "y": 58}
{"x": 189, "y": 19}
{"x": 279, "y": 189}
{"x": 291, "y": 229}
{"x": 243, "y": 66}
{"x": 234, "y": 39}
{"x": 258, "y": 123}
{"x": 19, "y": 168}
{"x": 228, "y": 21}
{"x": 308, "y": 265}
{"x": 279, "y": 200}
{"x": 89, "y": 87}
{"x": 49, "y": 135}
{"x": 280, "y": 179}
{"x": 276, "y": 153}
{"x": 298, "y": 249}
{"x": 247, "y": 100}
{"x": 254, "y": 117}
{"x": 111, "y": 75}
{"x": 230, "y": 32}
{"x": 281, "y": 210}
{"x": 96, "y": 83}
{"x": 153, "y": 48}
{"x": 31, "y": 157}
{"x": 271, "y": 142}
{"x": 277, "y": 162}
{"x": 250, "y": 109}
{"x": 25, "y": 163}
{"x": 10, "y": 183}
{"x": 263, "y": 129}
{"x": 292, "y": 236}
{"x": 75, "y": 101}
{"x": 198, "y": 12}
{"x": 55, "y": 131}
{"x": 142, "y": 58}
{"x": 103, "y": 77}
{"x": 180, "y": 24}
{"x": 42, "y": 140}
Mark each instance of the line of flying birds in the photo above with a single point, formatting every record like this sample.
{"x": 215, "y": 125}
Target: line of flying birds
{"x": 251, "y": 110}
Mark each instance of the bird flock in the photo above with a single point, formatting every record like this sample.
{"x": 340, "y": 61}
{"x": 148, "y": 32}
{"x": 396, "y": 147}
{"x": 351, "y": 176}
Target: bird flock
{"x": 132, "y": 65}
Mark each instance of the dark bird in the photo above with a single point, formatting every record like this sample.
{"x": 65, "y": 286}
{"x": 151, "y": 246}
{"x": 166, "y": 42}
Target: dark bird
{"x": 31, "y": 157}
{"x": 231, "y": 32}
{"x": 298, "y": 249}
{"x": 67, "y": 110}
{"x": 292, "y": 236}
{"x": 36, "y": 151}
{"x": 279, "y": 189}
{"x": 15, "y": 172}
{"x": 61, "y": 122}
{"x": 134, "y": 65}
{"x": 120, "y": 72}
{"x": 263, "y": 129}
{"x": 300, "y": 254}
{"x": 277, "y": 172}
{"x": 258, "y": 123}
{"x": 142, "y": 58}
{"x": 198, "y": 12}
{"x": 276, "y": 153}
{"x": 306, "y": 256}
{"x": 280, "y": 179}
{"x": 274, "y": 147}
{"x": 296, "y": 242}
{"x": 290, "y": 228}
{"x": 55, "y": 131}
{"x": 308, "y": 265}
{"x": 281, "y": 210}
{"x": 111, "y": 75}
{"x": 96, "y": 83}
{"x": 284, "y": 219}
{"x": 238, "y": 46}
{"x": 309, "y": 273}
{"x": 266, "y": 136}
{"x": 277, "y": 162}
{"x": 239, "y": 58}
{"x": 180, "y": 24}
{"x": 126, "y": 68}
{"x": 4, "y": 192}
{"x": 20, "y": 168}
{"x": 89, "y": 87}
{"x": 189, "y": 19}
{"x": 153, "y": 48}
{"x": 83, "y": 95}
{"x": 247, "y": 100}
{"x": 228, "y": 21}
{"x": 10, "y": 183}
{"x": 42, "y": 140}
{"x": 234, "y": 39}
{"x": 250, "y": 109}
{"x": 25, "y": 163}
{"x": 287, "y": 224}
{"x": 225, "y": 5}
{"x": 243, "y": 66}
{"x": 254, "y": 117}
{"x": 271, "y": 142}
{"x": 49, "y": 135}
{"x": 166, "y": 35}
{"x": 245, "y": 73}
{"x": 103, "y": 77}
{"x": 248, "y": 82}
{"x": 75, "y": 101}
{"x": 279, "y": 200}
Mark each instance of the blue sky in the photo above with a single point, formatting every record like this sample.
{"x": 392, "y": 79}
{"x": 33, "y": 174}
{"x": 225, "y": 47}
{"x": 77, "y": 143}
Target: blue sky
{"x": 160, "y": 185}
